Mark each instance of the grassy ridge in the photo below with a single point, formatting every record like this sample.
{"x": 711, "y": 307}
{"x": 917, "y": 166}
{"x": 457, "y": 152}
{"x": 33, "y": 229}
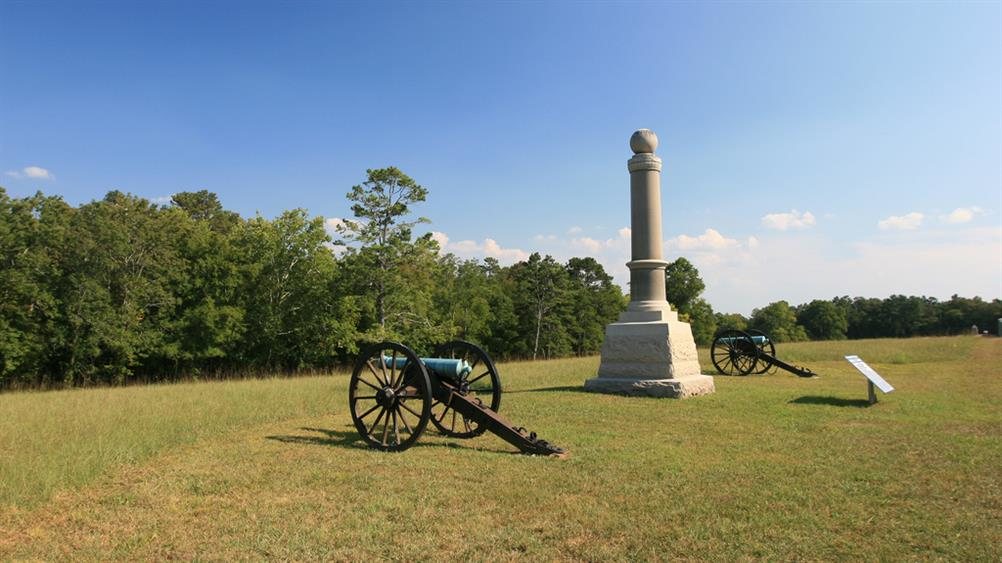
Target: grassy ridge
{"x": 767, "y": 467}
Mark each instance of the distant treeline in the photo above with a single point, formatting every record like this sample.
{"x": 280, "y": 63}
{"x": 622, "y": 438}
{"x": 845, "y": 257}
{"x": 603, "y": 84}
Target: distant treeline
{"x": 122, "y": 290}
{"x": 897, "y": 316}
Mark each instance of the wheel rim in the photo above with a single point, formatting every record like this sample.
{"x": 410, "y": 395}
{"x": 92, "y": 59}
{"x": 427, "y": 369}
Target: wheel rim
{"x": 389, "y": 396}
{"x": 734, "y": 353}
{"x": 483, "y": 382}
{"x": 768, "y": 347}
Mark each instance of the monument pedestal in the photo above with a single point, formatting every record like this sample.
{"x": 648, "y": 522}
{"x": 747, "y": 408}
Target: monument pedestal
{"x": 650, "y": 352}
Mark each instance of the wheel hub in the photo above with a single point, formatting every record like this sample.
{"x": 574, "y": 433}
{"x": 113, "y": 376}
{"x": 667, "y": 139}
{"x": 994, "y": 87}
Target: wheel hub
{"x": 386, "y": 398}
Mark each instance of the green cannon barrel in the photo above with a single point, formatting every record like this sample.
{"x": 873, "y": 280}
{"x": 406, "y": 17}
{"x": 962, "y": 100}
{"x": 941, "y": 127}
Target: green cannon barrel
{"x": 759, "y": 340}
{"x": 443, "y": 366}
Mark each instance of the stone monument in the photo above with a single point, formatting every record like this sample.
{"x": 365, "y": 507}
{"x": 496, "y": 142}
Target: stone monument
{"x": 648, "y": 351}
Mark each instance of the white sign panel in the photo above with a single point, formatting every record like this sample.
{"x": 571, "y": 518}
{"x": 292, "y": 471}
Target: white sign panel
{"x": 873, "y": 376}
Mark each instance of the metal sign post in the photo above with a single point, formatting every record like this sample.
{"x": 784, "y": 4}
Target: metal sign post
{"x": 872, "y": 378}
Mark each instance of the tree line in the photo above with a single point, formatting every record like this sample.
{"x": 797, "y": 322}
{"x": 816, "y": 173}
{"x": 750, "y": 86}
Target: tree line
{"x": 840, "y": 318}
{"x": 121, "y": 290}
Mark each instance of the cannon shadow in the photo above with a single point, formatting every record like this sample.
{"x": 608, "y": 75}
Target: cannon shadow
{"x": 830, "y": 401}
{"x": 327, "y": 437}
{"x": 351, "y": 439}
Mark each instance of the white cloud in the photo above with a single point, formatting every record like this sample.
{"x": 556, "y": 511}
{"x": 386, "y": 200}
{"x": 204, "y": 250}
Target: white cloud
{"x": 711, "y": 239}
{"x": 32, "y": 172}
{"x": 937, "y": 264}
{"x": 472, "y": 249}
{"x": 961, "y": 215}
{"x": 332, "y": 224}
{"x": 907, "y": 222}
{"x": 162, "y": 200}
{"x": 441, "y": 238}
{"x": 575, "y": 230}
{"x": 786, "y": 221}
{"x": 741, "y": 272}
{"x": 588, "y": 243}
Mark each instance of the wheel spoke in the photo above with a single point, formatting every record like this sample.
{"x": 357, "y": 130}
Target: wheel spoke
{"x": 727, "y": 364}
{"x": 393, "y": 370}
{"x": 386, "y": 429}
{"x": 376, "y": 423}
{"x": 365, "y": 397}
{"x": 478, "y": 378}
{"x": 396, "y": 433}
{"x": 366, "y": 413}
{"x": 373, "y": 370}
{"x": 367, "y": 383}
{"x": 445, "y": 412}
{"x": 410, "y": 410}
{"x": 403, "y": 370}
{"x": 382, "y": 367}
{"x": 453, "y": 427}
{"x": 404, "y": 420}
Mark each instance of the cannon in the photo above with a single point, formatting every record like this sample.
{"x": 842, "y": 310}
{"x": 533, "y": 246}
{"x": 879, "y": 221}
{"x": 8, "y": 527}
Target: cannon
{"x": 393, "y": 394}
{"x": 736, "y": 352}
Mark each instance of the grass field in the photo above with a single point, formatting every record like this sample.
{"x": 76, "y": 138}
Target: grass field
{"x": 773, "y": 467}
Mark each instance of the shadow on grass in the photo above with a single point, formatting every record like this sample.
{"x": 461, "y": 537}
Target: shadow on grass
{"x": 328, "y": 438}
{"x": 562, "y": 389}
{"x": 830, "y": 401}
{"x": 351, "y": 439}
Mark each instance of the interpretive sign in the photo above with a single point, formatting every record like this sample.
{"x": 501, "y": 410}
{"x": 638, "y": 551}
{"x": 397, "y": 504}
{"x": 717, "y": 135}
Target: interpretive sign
{"x": 872, "y": 377}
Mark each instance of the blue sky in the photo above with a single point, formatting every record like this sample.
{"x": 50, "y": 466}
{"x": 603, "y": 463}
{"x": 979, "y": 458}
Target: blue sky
{"x": 811, "y": 150}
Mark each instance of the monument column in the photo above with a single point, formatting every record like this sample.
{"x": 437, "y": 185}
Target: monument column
{"x": 647, "y": 268}
{"x": 648, "y": 351}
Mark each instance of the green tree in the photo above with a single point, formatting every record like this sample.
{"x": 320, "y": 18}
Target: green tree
{"x": 293, "y": 318}
{"x": 823, "y": 320}
{"x": 734, "y": 321}
{"x": 381, "y": 229}
{"x": 209, "y": 327}
{"x": 595, "y": 302}
{"x": 682, "y": 284}
{"x": 779, "y": 321}
{"x": 541, "y": 295}
{"x": 204, "y": 206}
{"x": 33, "y": 231}
{"x": 683, "y": 287}
{"x": 462, "y": 292}
{"x": 502, "y": 340}
{"x": 703, "y": 321}
{"x": 118, "y": 290}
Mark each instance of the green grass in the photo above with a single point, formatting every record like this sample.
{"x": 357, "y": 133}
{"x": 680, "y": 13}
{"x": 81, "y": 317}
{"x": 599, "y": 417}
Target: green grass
{"x": 58, "y": 440}
{"x": 773, "y": 467}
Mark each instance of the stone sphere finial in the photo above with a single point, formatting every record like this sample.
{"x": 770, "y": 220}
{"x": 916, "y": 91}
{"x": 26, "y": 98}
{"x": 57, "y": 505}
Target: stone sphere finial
{"x": 643, "y": 141}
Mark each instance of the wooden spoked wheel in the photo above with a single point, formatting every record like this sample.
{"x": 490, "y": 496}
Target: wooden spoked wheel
{"x": 481, "y": 382}
{"x": 734, "y": 352}
{"x": 389, "y": 396}
{"x": 766, "y": 346}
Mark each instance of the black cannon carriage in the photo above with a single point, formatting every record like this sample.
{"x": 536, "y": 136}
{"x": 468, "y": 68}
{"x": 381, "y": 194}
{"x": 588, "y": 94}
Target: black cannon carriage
{"x": 393, "y": 395}
{"x": 737, "y": 352}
